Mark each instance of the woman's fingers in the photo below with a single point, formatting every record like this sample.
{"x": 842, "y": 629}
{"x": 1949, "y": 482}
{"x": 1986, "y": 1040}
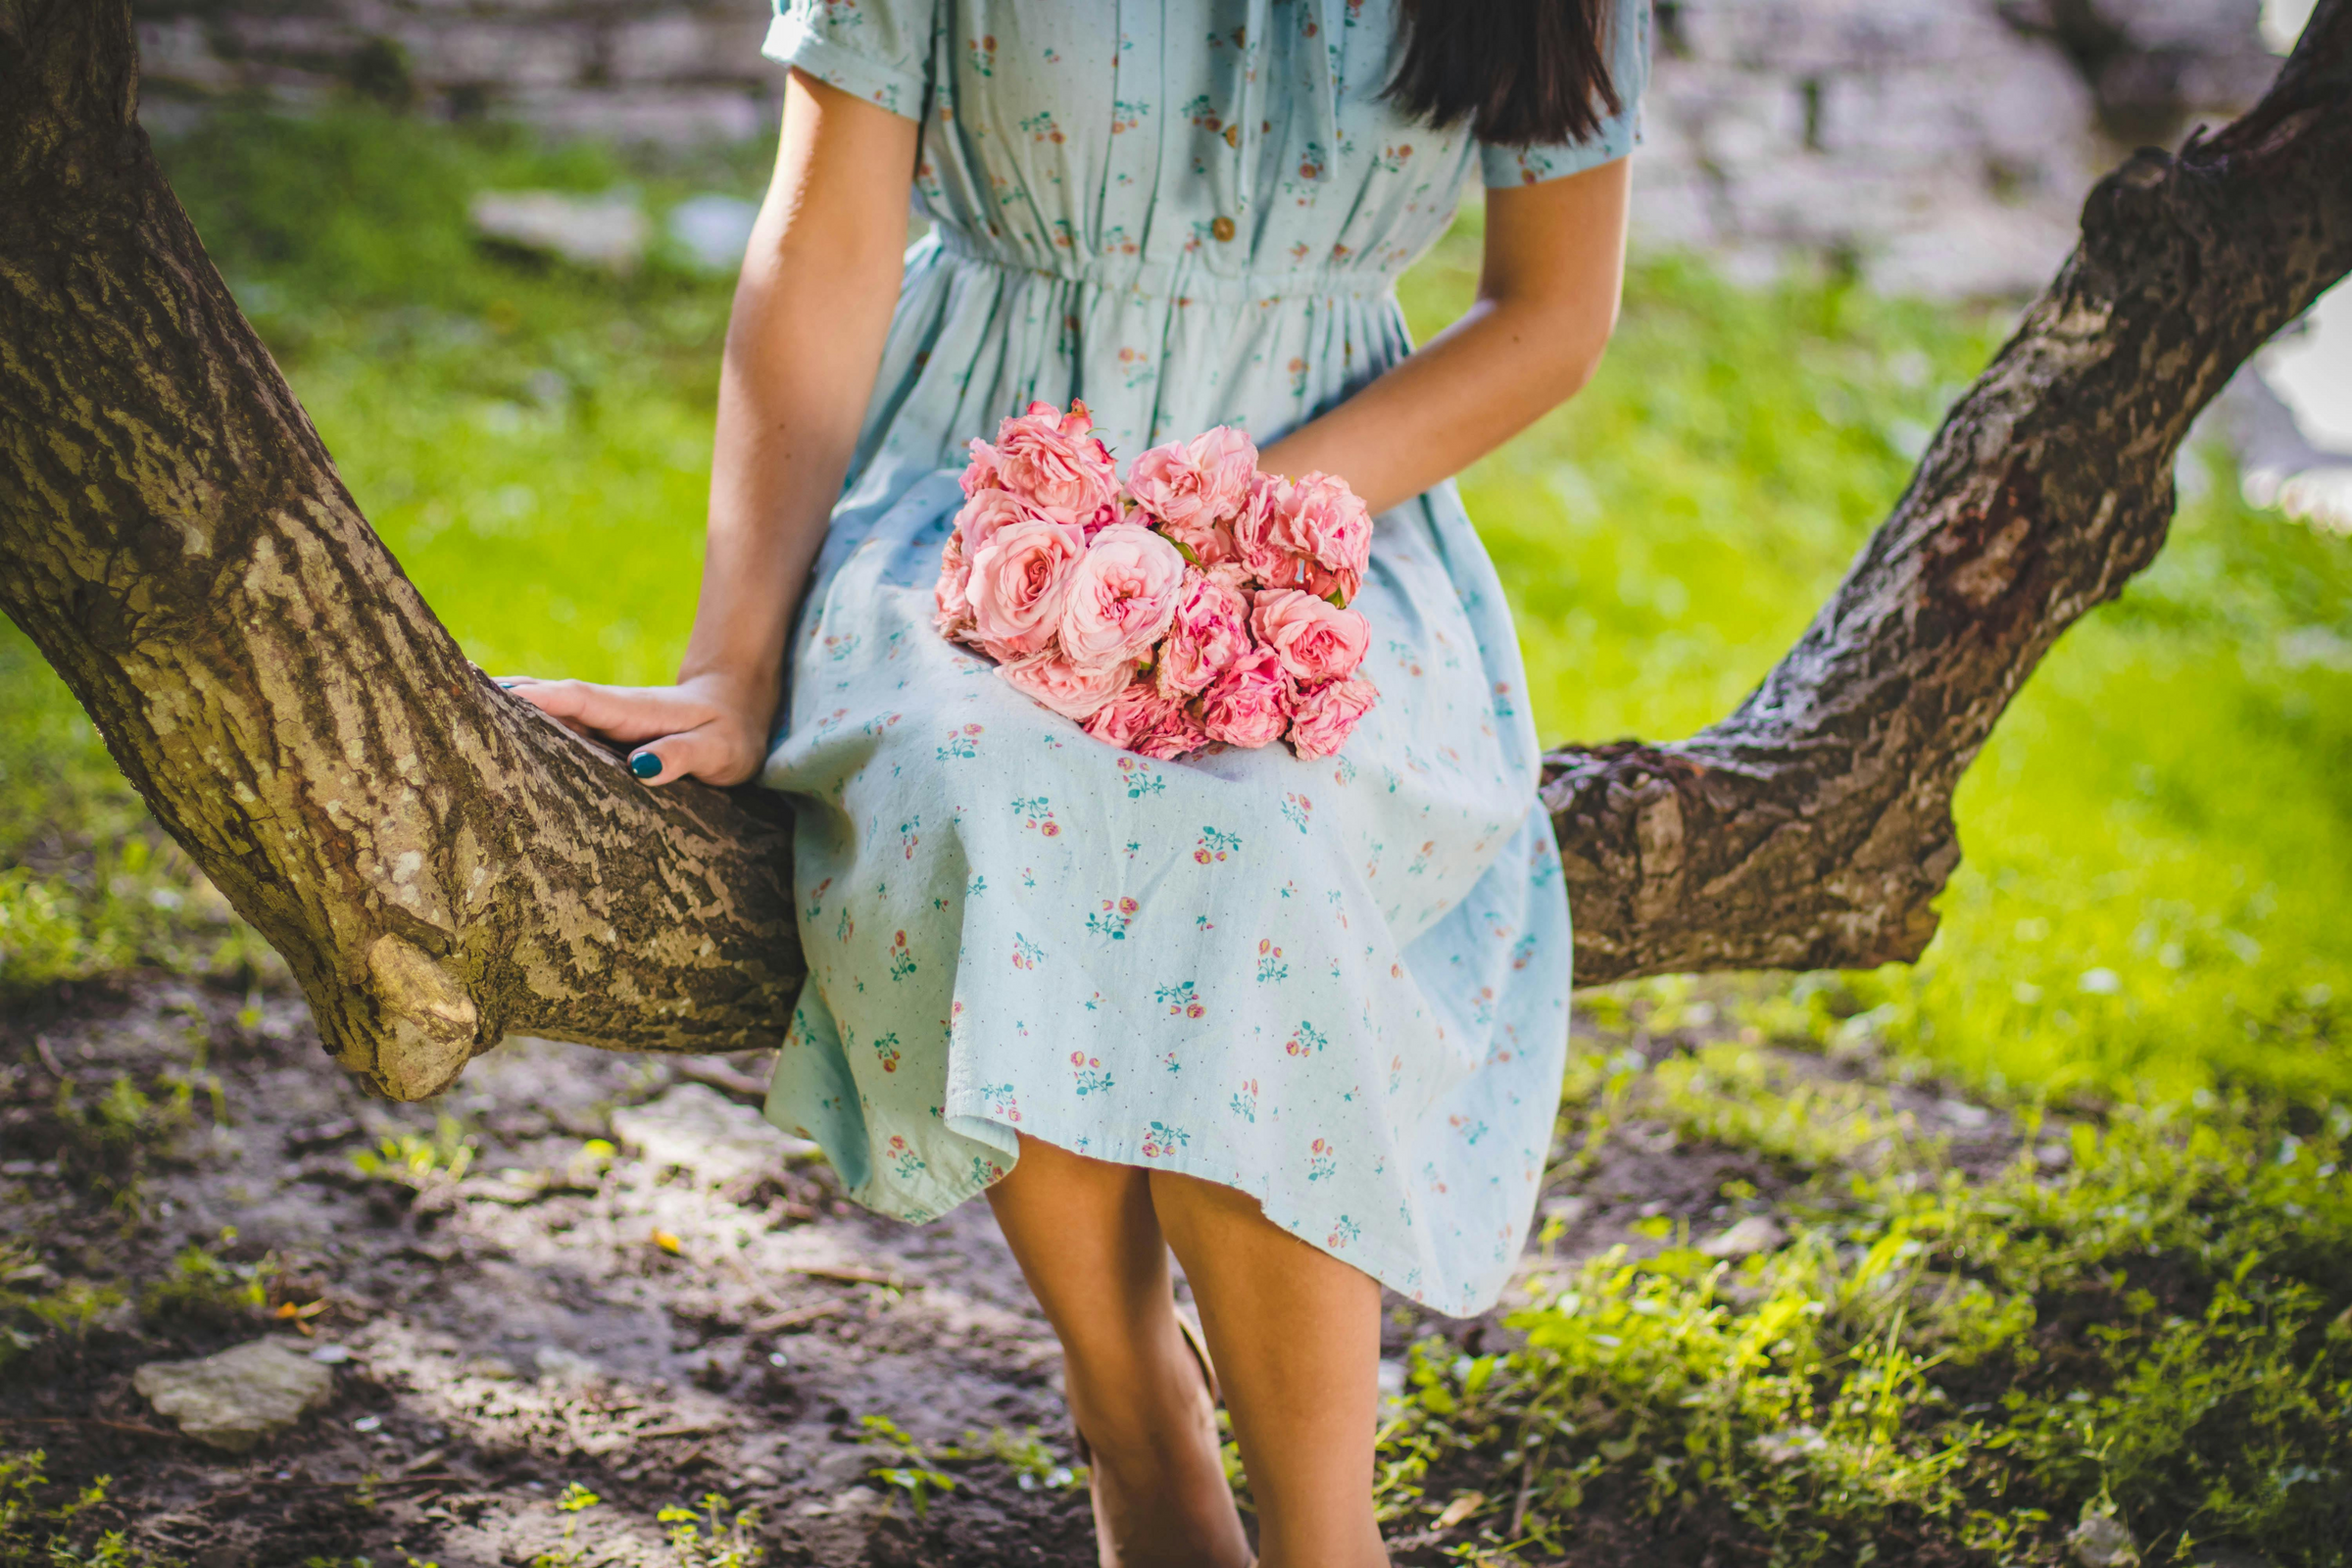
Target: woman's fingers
{"x": 628, "y": 715}
{"x": 674, "y": 733}
{"x": 706, "y": 752}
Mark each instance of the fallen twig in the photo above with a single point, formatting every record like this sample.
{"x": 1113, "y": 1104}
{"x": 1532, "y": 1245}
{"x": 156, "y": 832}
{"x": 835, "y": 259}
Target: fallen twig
{"x": 853, "y": 1274}
{"x": 791, "y": 1316}
{"x": 695, "y": 1428}
{"x": 434, "y": 1478}
{"x": 48, "y": 1054}
{"x": 742, "y": 1088}
{"x": 131, "y": 1427}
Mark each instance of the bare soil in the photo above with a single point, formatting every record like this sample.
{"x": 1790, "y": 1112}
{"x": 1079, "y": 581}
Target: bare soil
{"x": 553, "y": 1317}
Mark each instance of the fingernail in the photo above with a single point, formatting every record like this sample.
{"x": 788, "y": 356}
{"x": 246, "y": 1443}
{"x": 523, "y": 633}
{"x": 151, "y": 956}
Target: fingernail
{"x": 508, "y": 685}
{"x": 645, "y": 764}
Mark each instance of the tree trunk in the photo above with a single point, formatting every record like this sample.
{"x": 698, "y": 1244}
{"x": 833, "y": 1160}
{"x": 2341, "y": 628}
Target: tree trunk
{"x": 441, "y": 866}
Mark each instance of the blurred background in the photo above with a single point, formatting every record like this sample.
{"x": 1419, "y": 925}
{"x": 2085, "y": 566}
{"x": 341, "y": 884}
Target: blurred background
{"x": 2085, "y": 1161}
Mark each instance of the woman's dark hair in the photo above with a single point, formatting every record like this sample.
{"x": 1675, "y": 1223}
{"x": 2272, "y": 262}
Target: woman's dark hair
{"x": 1521, "y": 72}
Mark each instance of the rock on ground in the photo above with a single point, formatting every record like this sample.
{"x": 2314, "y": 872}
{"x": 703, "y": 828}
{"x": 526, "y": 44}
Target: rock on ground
{"x": 239, "y": 1398}
{"x": 609, "y": 232}
{"x": 694, "y": 1128}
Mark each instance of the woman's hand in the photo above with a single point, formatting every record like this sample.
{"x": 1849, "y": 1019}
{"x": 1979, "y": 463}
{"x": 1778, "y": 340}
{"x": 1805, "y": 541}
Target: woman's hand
{"x": 813, "y": 307}
{"x": 712, "y": 727}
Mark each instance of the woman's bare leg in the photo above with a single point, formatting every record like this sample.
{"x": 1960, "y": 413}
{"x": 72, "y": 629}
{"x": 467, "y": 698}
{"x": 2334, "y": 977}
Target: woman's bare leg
{"x": 1296, "y": 1334}
{"x": 1086, "y": 1237}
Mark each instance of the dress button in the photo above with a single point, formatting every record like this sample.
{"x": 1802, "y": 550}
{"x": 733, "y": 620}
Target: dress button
{"x": 1222, "y": 228}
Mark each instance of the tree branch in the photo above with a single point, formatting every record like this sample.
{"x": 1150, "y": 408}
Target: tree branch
{"x": 439, "y": 864}
{"x": 1813, "y": 826}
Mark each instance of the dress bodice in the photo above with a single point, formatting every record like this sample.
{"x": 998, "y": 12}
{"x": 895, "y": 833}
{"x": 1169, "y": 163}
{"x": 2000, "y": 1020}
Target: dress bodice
{"x": 1220, "y": 157}
{"x": 1119, "y": 139}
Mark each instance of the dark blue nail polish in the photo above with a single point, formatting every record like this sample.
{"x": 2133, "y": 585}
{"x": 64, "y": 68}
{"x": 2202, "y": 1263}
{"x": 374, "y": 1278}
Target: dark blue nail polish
{"x": 645, "y": 764}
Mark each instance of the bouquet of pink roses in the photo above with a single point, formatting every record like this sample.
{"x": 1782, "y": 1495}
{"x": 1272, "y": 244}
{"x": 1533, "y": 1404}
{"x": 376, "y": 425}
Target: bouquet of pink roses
{"x": 1201, "y": 603}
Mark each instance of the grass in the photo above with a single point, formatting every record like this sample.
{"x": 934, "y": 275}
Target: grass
{"x": 41, "y": 1523}
{"x": 2140, "y": 1324}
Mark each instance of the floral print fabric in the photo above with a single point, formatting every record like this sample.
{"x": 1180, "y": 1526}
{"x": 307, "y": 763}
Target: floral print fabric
{"x": 1340, "y": 985}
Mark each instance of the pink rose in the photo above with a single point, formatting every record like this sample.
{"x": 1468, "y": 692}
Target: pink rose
{"x": 1070, "y": 690}
{"x": 1328, "y": 713}
{"x": 1209, "y": 630}
{"x": 1255, "y": 542}
{"x": 1177, "y": 732}
{"x": 1195, "y": 488}
{"x": 1210, "y": 541}
{"x": 1135, "y": 712}
{"x": 1325, "y": 526}
{"x": 1250, "y": 701}
{"x": 1018, "y": 584}
{"x": 1315, "y": 641}
{"x": 979, "y": 518}
{"x": 1052, "y": 460}
{"x": 981, "y": 474}
{"x": 951, "y": 612}
{"x": 1120, "y": 595}
{"x": 1323, "y": 584}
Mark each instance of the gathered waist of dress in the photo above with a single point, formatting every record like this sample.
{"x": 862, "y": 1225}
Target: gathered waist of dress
{"x": 1183, "y": 280}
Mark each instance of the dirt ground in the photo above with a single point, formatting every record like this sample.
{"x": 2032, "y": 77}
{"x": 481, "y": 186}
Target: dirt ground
{"x": 694, "y": 1312}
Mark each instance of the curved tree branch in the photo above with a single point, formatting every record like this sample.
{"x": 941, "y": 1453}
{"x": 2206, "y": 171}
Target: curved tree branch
{"x": 440, "y": 866}
{"x": 1813, "y": 826}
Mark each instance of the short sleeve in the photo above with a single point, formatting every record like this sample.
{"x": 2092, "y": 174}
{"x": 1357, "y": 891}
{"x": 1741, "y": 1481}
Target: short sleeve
{"x": 879, "y": 50}
{"x": 1628, "y": 72}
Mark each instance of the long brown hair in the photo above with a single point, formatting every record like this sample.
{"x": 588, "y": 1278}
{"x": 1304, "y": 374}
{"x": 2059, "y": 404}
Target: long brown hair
{"x": 1521, "y": 72}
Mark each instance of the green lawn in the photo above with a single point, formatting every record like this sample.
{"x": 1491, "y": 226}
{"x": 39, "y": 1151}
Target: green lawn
{"x": 2150, "y": 932}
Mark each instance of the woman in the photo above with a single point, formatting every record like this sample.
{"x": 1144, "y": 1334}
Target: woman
{"x": 1301, "y": 1022}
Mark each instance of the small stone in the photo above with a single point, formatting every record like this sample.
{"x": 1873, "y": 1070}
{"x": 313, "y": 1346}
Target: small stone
{"x": 1788, "y": 1444}
{"x": 239, "y": 1398}
{"x": 609, "y": 232}
{"x": 2100, "y": 1541}
{"x": 701, "y": 1131}
{"x": 854, "y": 1503}
{"x": 331, "y": 1355}
{"x": 1961, "y": 1113}
{"x": 565, "y": 1366}
{"x": 1758, "y": 1233}
{"x": 1568, "y": 1210}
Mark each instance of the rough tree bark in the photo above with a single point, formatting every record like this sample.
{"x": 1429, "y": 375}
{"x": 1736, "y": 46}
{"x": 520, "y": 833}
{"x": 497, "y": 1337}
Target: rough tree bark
{"x": 1813, "y": 826}
{"x": 441, "y": 866}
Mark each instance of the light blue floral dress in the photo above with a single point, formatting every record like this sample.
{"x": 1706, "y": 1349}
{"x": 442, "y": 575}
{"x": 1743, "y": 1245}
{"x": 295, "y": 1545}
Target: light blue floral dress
{"x": 1340, "y": 986}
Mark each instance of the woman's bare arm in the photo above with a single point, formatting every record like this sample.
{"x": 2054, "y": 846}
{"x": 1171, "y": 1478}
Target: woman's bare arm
{"x": 803, "y": 341}
{"x": 1546, "y": 303}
